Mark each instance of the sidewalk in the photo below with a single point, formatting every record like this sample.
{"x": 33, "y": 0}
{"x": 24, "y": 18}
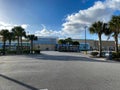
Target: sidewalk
{"x": 95, "y": 58}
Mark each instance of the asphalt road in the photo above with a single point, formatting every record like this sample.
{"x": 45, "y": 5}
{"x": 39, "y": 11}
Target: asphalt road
{"x": 58, "y": 71}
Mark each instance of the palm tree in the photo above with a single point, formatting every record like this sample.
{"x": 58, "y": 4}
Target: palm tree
{"x": 32, "y": 37}
{"x": 10, "y": 38}
{"x": 4, "y": 34}
{"x": 114, "y": 26}
{"x": 69, "y": 40}
{"x": 98, "y": 28}
{"x": 61, "y": 41}
{"x": 76, "y": 43}
{"x": 19, "y": 33}
{"x": 23, "y": 34}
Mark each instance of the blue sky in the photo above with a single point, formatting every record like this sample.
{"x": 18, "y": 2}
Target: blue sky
{"x": 62, "y": 18}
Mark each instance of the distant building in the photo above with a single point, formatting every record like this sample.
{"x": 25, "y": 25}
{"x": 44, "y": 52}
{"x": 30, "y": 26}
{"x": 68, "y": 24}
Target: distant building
{"x": 43, "y": 43}
{"x": 94, "y": 44}
{"x": 84, "y": 46}
{"x": 25, "y": 44}
{"x": 46, "y": 43}
{"x": 67, "y": 48}
{"x": 51, "y": 43}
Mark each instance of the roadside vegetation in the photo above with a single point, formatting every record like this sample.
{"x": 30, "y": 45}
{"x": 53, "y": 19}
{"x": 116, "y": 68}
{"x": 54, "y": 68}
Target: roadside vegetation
{"x": 17, "y": 33}
{"x": 68, "y": 45}
{"x": 68, "y": 41}
{"x": 110, "y": 29}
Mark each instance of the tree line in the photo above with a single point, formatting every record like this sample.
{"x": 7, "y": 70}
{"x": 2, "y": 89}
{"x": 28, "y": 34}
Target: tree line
{"x": 16, "y": 33}
{"x": 112, "y": 28}
{"x": 68, "y": 41}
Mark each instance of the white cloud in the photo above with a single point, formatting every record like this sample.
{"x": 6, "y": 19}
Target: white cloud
{"x": 75, "y": 23}
{"x": 9, "y": 26}
{"x": 54, "y": 33}
{"x": 113, "y": 4}
{"x": 4, "y": 25}
{"x": 46, "y": 32}
{"x": 24, "y": 26}
{"x": 103, "y": 11}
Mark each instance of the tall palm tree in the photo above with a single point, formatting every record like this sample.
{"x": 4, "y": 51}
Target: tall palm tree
{"x": 98, "y": 28}
{"x": 19, "y": 33}
{"x": 69, "y": 40}
{"x": 61, "y": 41}
{"x": 76, "y": 43}
{"x": 10, "y": 37}
{"x": 32, "y": 37}
{"x": 114, "y": 26}
{"x": 23, "y": 34}
{"x": 4, "y": 34}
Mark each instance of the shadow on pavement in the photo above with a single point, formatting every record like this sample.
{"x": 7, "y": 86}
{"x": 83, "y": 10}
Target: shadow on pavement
{"x": 66, "y": 58}
{"x": 18, "y": 82}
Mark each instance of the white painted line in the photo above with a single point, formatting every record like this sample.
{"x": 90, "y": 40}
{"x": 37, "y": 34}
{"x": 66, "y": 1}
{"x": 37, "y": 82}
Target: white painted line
{"x": 44, "y": 89}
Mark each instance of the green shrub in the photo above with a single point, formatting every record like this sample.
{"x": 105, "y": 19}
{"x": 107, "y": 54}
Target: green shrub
{"x": 12, "y": 52}
{"x": 115, "y": 55}
{"x": 37, "y": 51}
{"x": 1, "y": 49}
{"x": 94, "y": 53}
{"x": 26, "y": 52}
{"x": 103, "y": 54}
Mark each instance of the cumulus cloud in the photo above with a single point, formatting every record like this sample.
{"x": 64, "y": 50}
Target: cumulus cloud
{"x": 55, "y": 33}
{"x": 24, "y": 26}
{"x": 46, "y": 32}
{"x": 4, "y": 25}
{"x": 113, "y": 4}
{"x": 102, "y": 11}
{"x": 9, "y": 26}
{"x": 75, "y": 23}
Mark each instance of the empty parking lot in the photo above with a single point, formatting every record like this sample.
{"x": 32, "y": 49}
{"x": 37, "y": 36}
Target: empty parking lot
{"x": 58, "y": 71}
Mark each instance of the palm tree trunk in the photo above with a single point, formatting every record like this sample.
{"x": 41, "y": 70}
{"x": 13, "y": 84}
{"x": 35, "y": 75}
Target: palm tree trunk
{"x": 116, "y": 43}
{"x": 4, "y": 43}
{"x": 100, "y": 46}
{"x": 18, "y": 48}
{"x": 9, "y": 44}
{"x": 31, "y": 46}
{"x": 21, "y": 45}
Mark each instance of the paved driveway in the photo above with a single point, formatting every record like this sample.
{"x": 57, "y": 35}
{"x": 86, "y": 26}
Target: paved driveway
{"x": 58, "y": 71}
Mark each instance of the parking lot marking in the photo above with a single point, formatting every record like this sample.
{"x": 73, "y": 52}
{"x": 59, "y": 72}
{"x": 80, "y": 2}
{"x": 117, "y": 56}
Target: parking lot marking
{"x": 44, "y": 89}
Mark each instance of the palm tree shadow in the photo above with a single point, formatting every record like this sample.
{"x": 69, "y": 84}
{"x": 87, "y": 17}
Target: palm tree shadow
{"x": 18, "y": 82}
{"x": 66, "y": 58}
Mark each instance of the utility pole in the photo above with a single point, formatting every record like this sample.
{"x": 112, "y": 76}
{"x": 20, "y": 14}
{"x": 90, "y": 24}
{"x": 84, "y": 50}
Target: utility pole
{"x": 85, "y": 40}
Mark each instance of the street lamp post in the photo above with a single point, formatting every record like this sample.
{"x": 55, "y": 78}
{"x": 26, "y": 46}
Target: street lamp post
{"x": 85, "y": 41}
